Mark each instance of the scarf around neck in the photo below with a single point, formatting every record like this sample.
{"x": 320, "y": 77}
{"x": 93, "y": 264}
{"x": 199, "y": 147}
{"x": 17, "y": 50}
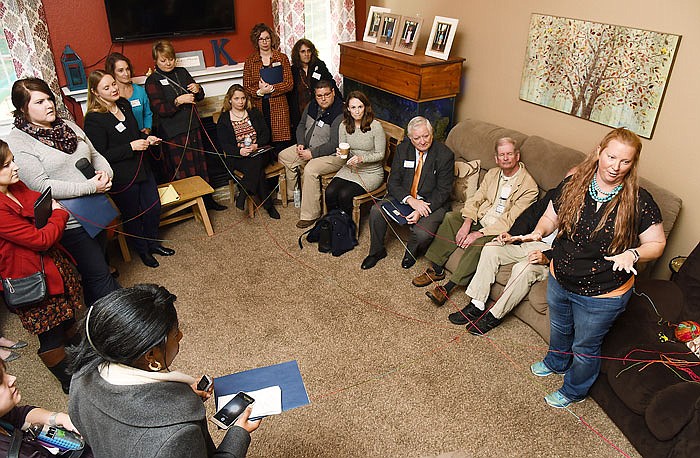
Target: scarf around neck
{"x": 59, "y": 135}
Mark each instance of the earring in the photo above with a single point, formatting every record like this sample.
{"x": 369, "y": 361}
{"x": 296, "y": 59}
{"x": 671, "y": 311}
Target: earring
{"x": 155, "y": 366}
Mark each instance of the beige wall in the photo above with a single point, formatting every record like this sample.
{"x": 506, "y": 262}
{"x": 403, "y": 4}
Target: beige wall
{"x": 492, "y": 37}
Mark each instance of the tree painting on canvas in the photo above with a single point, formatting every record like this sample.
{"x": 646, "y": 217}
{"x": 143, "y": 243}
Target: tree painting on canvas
{"x": 608, "y": 74}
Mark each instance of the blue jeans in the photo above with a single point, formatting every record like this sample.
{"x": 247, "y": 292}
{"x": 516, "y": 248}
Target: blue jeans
{"x": 578, "y": 325}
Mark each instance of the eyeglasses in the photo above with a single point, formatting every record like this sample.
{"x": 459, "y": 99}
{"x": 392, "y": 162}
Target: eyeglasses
{"x": 324, "y": 96}
{"x": 265, "y": 39}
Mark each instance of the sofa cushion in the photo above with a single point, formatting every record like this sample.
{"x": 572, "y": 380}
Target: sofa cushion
{"x": 668, "y": 202}
{"x": 672, "y": 409}
{"x": 547, "y": 161}
{"x": 466, "y": 180}
{"x": 471, "y": 139}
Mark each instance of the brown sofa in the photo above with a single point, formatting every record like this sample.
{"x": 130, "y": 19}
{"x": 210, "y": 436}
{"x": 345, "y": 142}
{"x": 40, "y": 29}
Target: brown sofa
{"x": 548, "y": 163}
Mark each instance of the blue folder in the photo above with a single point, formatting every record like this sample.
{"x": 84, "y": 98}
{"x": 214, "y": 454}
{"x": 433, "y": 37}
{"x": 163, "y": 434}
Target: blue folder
{"x": 94, "y": 212}
{"x": 397, "y": 211}
{"x": 285, "y": 375}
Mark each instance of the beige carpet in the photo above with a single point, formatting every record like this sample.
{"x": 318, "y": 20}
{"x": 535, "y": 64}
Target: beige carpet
{"x": 387, "y": 374}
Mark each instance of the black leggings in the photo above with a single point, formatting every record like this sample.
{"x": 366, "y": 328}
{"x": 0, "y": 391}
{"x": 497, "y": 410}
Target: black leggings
{"x": 340, "y": 192}
{"x": 55, "y": 337}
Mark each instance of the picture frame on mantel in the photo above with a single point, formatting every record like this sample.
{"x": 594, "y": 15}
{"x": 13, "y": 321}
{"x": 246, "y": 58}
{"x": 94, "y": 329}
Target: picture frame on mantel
{"x": 373, "y": 21}
{"x": 388, "y": 29}
{"x": 409, "y": 33}
{"x": 441, "y": 37}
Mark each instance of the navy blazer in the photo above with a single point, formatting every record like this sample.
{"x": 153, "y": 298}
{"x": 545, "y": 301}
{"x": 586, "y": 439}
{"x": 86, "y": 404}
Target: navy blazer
{"x": 436, "y": 176}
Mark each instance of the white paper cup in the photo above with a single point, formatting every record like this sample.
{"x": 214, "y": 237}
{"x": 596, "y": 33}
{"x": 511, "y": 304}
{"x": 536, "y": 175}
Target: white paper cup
{"x": 344, "y": 150}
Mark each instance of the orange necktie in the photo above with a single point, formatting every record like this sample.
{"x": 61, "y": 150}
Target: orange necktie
{"x": 416, "y": 175}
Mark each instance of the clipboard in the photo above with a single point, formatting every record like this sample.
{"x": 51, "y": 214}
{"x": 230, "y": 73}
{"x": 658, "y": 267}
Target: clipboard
{"x": 42, "y": 208}
{"x": 94, "y": 212}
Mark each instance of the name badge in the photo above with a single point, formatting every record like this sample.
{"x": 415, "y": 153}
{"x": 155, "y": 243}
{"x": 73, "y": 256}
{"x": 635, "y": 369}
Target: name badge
{"x": 316, "y": 75}
{"x": 500, "y": 208}
{"x": 320, "y": 123}
{"x": 409, "y": 164}
{"x": 276, "y": 64}
{"x": 120, "y": 127}
{"x": 136, "y": 103}
{"x": 165, "y": 82}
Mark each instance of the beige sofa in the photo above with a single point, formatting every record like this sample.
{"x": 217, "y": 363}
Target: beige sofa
{"x": 548, "y": 163}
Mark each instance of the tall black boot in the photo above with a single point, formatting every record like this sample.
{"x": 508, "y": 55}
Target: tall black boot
{"x": 211, "y": 204}
{"x": 55, "y": 361}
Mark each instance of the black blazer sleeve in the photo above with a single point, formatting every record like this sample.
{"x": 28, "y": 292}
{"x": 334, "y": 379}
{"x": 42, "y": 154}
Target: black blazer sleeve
{"x": 226, "y": 135}
{"x": 401, "y": 178}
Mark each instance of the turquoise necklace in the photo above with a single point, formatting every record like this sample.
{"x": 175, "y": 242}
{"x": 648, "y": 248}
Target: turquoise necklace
{"x": 594, "y": 190}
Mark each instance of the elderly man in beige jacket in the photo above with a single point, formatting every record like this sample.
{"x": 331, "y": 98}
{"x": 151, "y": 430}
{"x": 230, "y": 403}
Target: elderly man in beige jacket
{"x": 505, "y": 192}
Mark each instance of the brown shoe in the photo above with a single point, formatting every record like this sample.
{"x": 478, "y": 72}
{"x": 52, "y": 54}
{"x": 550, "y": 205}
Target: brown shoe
{"x": 304, "y": 223}
{"x": 427, "y": 277}
{"x": 437, "y": 295}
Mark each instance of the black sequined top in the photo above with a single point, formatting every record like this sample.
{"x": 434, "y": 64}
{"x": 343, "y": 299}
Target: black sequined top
{"x": 578, "y": 262}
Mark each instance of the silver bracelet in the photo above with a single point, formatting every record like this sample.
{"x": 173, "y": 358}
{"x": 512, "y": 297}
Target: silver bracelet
{"x": 52, "y": 419}
{"x": 635, "y": 253}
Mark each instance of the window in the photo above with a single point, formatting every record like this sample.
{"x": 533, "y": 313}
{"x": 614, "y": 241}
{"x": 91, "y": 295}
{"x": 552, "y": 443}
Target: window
{"x": 317, "y": 27}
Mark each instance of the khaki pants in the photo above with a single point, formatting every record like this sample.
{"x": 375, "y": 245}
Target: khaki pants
{"x": 522, "y": 277}
{"x": 310, "y": 181}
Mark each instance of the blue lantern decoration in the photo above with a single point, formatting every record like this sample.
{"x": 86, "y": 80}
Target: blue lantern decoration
{"x": 73, "y": 69}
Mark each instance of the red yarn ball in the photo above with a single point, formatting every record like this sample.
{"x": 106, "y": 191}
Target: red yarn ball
{"x": 687, "y": 331}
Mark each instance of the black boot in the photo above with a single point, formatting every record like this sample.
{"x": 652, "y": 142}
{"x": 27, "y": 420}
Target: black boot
{"x": 55, "y": 361}
{"x": 211, "y": 204}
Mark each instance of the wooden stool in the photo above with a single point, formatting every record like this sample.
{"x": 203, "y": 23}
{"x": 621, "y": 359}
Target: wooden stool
{"x": 191, "y": 190}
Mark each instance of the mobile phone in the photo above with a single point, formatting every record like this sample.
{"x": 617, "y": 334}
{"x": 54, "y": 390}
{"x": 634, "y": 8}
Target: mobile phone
{"x": 229, "y": 413}
{"x": 205, "y": 383}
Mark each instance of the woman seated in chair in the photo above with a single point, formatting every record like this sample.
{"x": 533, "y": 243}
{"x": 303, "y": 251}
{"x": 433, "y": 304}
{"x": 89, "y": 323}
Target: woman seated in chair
{"x": 125, "y": 399}
{"x": 241, "y": 130}
{"x": 363, "y": 172}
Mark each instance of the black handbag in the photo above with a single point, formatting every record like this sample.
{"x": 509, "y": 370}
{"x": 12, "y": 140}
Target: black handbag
{"x": 27, "y": 291}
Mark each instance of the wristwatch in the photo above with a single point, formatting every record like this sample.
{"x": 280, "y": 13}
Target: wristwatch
{"x": 635, "y": 253}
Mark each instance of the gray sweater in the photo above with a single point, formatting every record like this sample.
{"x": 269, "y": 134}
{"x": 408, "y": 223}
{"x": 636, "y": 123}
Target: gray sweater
{"x": 371, "y": 146}
{"x": 41, "y": 166}
{"x": 155, "y": 420}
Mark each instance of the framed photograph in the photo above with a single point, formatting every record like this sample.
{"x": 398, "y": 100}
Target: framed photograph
{"x": 373, "y": 19}
{"x": 191, "y": 60}
{"x": 407, "y": 39}
{"x": 441, "y": 37}
{"x": 388, "y": 29}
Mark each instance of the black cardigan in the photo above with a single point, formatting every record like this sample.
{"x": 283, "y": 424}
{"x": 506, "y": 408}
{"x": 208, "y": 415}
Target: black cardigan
{"x": 227, "y": 137}
{"x": 115, "y": 146}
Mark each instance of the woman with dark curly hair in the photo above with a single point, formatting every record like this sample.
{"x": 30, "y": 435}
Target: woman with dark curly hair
{"x": 307, "y": 70}
{"x": 270, "y": 97}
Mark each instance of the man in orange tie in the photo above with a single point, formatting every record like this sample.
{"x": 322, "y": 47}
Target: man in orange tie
{"x": 504, "y": 193}
{"x": 418, "y": 194}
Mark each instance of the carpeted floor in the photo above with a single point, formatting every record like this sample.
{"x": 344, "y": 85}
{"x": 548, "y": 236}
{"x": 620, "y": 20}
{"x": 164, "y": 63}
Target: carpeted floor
{"x": 387, "y": 374}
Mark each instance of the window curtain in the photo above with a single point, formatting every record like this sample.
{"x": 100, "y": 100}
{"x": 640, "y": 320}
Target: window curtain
{"x": 24, "y": 23}
{"x": 288, "y": 22}
{"x": 342, "y": 30}
{"x": 295, "y": 19}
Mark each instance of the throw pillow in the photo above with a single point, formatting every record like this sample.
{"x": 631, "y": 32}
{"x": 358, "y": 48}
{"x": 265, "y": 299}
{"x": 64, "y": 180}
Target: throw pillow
{"x": 466, "y": 180}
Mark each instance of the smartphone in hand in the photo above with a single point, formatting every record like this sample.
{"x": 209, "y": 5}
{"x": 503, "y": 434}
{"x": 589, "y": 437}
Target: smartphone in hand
{"x": 229, "y": 413}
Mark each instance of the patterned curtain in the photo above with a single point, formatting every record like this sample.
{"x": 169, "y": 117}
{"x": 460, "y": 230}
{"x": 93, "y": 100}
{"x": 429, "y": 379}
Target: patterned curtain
{"x": 27, "y": 34}
{"x": 342, "y": 30}
{"x": 288, "y": 22}
{"x": 294, "y": 19}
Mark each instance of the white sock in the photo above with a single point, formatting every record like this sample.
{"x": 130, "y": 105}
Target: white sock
{"x": 479, "y": 304}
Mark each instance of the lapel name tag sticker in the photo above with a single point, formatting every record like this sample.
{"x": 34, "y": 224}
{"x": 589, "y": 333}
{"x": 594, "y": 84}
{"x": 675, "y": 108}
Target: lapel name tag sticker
{"x": 409, "y": 164}
{"x": 316, "y": 75}
{"x": 320, "y": 123}
{"x": 276, "y": 64}
{"x": 165, "y": 82}
{"x": 500, "y": 208}
{"x": 136, "y": 103}
{"x": 120, "y": 127}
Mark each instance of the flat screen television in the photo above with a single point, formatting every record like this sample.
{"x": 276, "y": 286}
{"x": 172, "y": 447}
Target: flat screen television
{"x": 132, "y": 20}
